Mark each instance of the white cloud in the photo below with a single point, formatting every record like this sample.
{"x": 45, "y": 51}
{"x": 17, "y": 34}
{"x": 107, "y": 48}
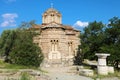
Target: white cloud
{"x": 80, "y": 24}
{"x": 9, "y": 19}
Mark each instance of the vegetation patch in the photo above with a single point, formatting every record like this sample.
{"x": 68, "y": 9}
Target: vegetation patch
{"x": 17, "y": 47}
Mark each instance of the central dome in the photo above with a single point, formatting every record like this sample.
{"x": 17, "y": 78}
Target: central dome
{"x": 51, "y": 15}
{"x": 52, "y": 10}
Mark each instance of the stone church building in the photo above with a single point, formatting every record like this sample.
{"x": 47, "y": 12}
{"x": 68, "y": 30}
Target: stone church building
{"x": 58, "y": 42}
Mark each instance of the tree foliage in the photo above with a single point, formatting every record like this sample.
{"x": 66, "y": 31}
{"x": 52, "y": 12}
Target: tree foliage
{"x": 112, "y": 41}
{"x": 100, "y": 38}
{"x": 92, "y": 39}
{"x": 18, "y": 48}
{"x": 6, "y": 42}
{"x": 78, "y": 57}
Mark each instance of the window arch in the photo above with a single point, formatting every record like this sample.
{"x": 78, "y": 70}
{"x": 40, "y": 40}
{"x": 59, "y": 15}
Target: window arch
{"x": 54, "y": 45}
{"x": 70, "y": 45}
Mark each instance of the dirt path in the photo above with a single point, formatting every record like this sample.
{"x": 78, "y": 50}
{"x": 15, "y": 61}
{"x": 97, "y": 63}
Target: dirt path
{"x": 64, "y": 73}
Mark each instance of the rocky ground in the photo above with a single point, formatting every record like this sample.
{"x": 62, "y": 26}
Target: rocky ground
{"x": 52, "y": 73}
{"x": 68, "y": 73}
{"x": 64, "y": 73}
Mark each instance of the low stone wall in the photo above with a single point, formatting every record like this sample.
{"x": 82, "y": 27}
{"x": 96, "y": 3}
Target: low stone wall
{"x": 85, "y": 72}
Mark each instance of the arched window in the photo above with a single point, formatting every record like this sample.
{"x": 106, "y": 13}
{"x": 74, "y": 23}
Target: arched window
{"x": 54, "y": 45}
{"x": 70, "y": 47}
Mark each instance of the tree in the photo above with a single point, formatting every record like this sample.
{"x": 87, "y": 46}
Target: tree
{"x": 18, "y": 47}
{"x": 92, "y": 39}
{"x": 6, "y": 42}
{"x": 112, "y": 41}
{"x": 100, "y": 38}
{"x": 78, "y": 57}
{"x": 24, "y": 51}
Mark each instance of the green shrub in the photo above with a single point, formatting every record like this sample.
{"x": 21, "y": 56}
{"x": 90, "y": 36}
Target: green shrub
{"x": 25, "y": 76}
{"x": 18, "y": 48}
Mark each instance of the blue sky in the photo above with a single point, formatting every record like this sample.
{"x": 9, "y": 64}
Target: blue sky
{"x": 76, "y": 13}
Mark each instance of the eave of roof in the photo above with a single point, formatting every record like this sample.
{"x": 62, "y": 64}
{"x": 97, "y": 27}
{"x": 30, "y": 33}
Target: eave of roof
{"x": 43, "y": 26}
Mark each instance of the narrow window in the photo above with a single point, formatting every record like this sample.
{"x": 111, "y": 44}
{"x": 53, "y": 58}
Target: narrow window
{"x": 70, "y": 48}
{"x": 54, "y": 45}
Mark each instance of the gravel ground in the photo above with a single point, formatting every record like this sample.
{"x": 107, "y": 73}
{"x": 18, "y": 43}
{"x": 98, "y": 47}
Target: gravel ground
{"x": 64, "y": 74}
{"x": 58, "y": 73}
{"x": 115, "y": 78}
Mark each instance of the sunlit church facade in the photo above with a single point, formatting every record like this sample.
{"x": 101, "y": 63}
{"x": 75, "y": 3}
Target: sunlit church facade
{"x": 58, "y": 42}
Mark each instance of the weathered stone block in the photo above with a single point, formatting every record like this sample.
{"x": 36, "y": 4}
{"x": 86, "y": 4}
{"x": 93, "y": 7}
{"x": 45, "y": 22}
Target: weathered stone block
{"x": 110, "y": 69}
{"x": 86, "y": 72}
{"x": 102, "y": 70}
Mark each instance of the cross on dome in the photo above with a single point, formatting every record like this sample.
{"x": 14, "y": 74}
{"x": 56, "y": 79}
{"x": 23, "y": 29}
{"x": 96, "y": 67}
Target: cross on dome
{"x": 51, "y": 15}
